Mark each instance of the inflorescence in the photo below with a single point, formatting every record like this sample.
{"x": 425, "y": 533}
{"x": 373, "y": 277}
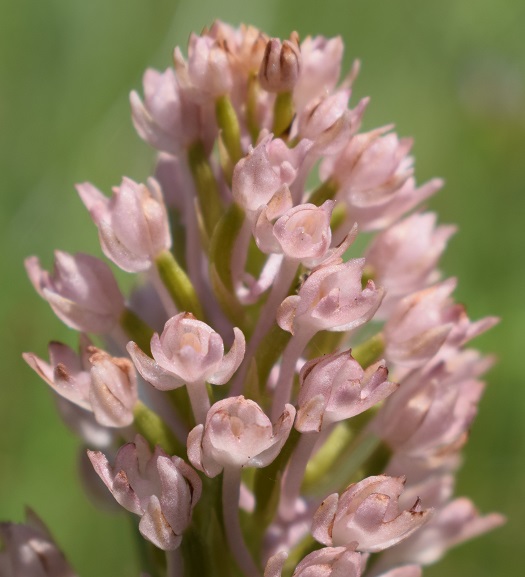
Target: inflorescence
{"x": 326, "y": 439}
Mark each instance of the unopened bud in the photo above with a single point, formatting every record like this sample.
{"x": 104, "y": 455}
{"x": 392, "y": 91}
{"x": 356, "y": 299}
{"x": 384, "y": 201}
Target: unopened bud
{"x": 281, "y": 65}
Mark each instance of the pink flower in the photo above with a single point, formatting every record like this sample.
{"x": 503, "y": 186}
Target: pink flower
{"x": 335, "y": 387}
{"x": 432, "y": 411}
{"x": 367, "y": 513}
{"x": 371, "y": 167}
{"x": 404, "y": 257}
{"x": 133, "y": 225}
{"x": 237, "y": 434}
{"x": 302, "y": 233}
{"x": 163, "y": 490}
{"x": 92, "y": 380}
{"x": 208, "y": 66}
{"x": 332, "y": 299}
{"x": 321, "y": 66}
{"x": 188, "y": 351}
{"x": 160, "y": 118}
{"x": 82, "y": 291}
{"x": 265, "y": 170}
{"x": 419, "y": 325}
{"x": 456, "y": 522}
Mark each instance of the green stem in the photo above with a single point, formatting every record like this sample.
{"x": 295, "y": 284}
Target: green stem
{"x": 178, "y": 284}
{"x": 210, "y": 202}
{"x": 229, "y": 125}
{"x": 267, "y": 484}
{"x": 221, "y": 254}
{"x": 283, "y": 113}
{"x": 369, "y": 351}
{"x": 252, "y": 121}
{"x": 325, "y": 191}
{"x": 155, "y": 430}
{"x": 136, "y": 329}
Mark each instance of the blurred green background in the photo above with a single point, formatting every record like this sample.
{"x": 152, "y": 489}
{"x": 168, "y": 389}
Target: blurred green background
{"x": 450, "y": 73}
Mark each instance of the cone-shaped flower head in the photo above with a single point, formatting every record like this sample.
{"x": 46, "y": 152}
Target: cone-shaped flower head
{"x": 82, "y": 291}
{"x": 335, "y": 387}
{"x": 367, "y": 513}
{"x": 133, "y": 225}
{"x": 163, "y": 490}
{"x": 281, "y": 65}
{"x": 302, "y": 233}
{"x": 30, "y": 551}
{"x": 237, "y": 433}
{"x": 92, "y": 380}
{"x": 332, "y": 299}
{"x": 188, "y": 351}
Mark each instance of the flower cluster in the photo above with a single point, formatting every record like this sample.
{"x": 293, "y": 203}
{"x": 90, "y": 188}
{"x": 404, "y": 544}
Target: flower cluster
{"x": 287, "y": 406}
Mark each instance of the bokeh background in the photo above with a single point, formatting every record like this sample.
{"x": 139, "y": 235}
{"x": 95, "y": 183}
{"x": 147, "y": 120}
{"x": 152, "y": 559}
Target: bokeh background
{"x": 450, "y": 73}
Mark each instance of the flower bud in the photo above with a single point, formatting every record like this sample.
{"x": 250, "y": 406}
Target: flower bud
{"x": 162, "y": 490}
{"x": 281, "y": 65}
{"x": 168, "y": 119}
{"x": 30, "y": 551}
{"x": 133, "y": 225}
{"x": 367, "y": 513}
{"x": 237, "y": 433}
{"x": 321, "y": 66}
{"x": 208, "y": 66}
{"x": 82, "y": 291}
{"x": 188, "y": 351}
